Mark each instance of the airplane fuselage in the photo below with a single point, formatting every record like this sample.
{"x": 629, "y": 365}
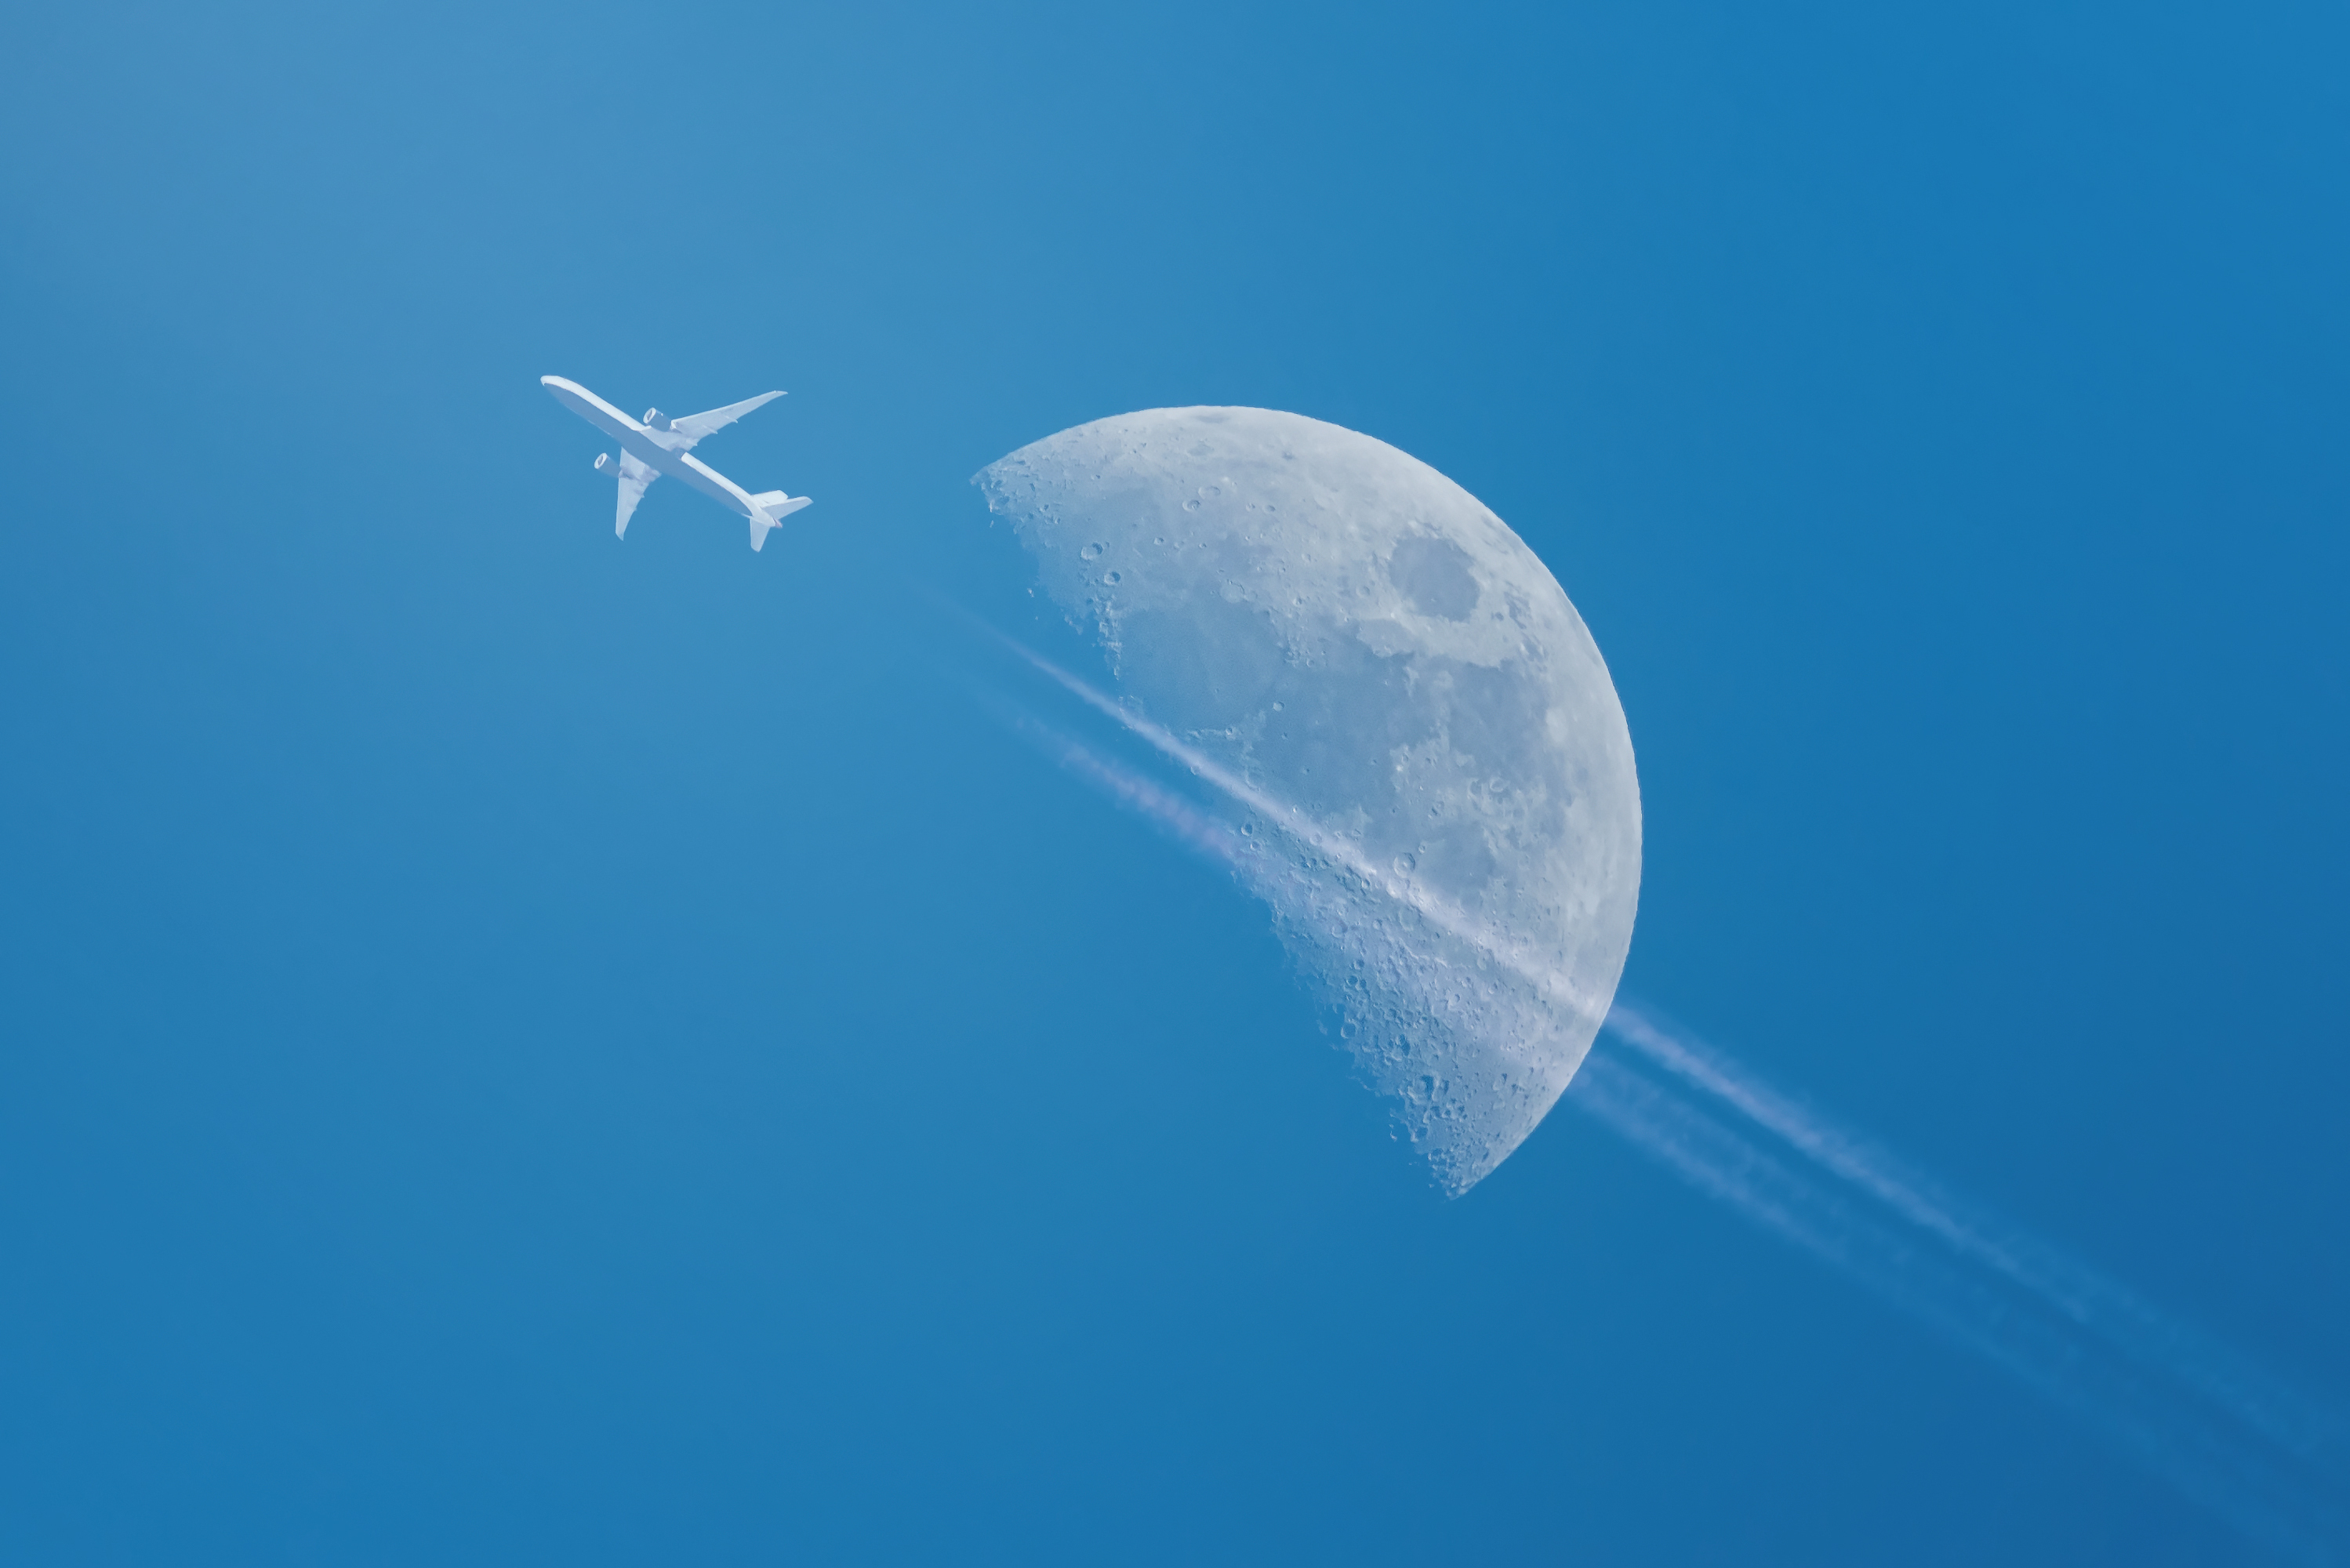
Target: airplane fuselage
{"x": 659, "y": 444}
{"x": 646, "y": 445}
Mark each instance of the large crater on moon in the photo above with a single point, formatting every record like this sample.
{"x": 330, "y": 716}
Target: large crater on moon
{"x": 1360, "y": 639}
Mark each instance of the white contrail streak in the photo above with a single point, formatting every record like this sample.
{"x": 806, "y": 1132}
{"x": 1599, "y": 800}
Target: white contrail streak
{"x": 2133, "y": 1326}
{"x": 2084, "y": 1341}
{"x": 1330, "y": 846}
{"x": 1205, "y": 834}
{"x": 2100, "y": 1390}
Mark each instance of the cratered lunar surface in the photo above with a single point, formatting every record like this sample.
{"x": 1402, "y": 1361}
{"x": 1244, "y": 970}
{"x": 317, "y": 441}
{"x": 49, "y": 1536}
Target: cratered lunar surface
{"x": 1362, "y": 641}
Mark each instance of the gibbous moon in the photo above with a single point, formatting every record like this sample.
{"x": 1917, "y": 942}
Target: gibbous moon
{"x": 1360, "y": 639}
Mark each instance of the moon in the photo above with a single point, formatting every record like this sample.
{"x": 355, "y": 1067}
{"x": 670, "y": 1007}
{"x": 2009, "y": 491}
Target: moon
{"x": 1360, "y": 638}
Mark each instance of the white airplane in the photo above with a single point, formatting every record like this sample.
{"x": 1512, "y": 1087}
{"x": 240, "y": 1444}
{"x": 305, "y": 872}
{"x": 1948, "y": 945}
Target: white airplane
{"x": 663, "y": 445}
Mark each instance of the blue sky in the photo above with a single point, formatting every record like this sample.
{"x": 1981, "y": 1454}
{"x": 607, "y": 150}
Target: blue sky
{"x": 518, "y": 1047}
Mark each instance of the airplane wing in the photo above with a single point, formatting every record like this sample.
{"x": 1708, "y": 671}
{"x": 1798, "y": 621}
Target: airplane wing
{"x": 693, "y": 427}
{"x": 635, "y": 476}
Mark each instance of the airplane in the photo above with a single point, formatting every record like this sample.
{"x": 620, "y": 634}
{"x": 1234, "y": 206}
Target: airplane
{"x": 661, "y": 445}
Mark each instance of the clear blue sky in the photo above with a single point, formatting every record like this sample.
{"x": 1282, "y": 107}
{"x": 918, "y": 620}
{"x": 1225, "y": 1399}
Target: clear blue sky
{"x": 516, "y": 1047}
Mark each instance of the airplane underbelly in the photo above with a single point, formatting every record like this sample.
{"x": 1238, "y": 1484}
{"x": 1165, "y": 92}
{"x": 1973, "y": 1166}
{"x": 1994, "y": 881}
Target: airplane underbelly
{"x": 713, "y": 485}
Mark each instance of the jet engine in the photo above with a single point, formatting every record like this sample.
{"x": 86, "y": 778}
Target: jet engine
{"x": 606, "y": 465}
{"x": 657, "y": 419}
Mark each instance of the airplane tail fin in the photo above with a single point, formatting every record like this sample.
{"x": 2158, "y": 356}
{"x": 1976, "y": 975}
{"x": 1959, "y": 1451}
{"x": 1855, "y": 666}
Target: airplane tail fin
{"x": 771, "y": 508}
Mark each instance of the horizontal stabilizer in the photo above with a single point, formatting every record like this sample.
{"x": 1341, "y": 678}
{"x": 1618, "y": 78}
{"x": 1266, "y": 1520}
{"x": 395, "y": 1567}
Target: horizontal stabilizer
{"x": 778, "y": 505}
{"x": 769, "y": 508}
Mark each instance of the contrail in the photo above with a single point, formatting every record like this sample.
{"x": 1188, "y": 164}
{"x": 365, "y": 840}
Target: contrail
{"x": 1330, "y": 846}
{"x": 2103, "y": 1391}
{"x": 2130, "y": 1324}
{"x": 2225, "y": 1433}
{"x": 1195, "y": 829}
